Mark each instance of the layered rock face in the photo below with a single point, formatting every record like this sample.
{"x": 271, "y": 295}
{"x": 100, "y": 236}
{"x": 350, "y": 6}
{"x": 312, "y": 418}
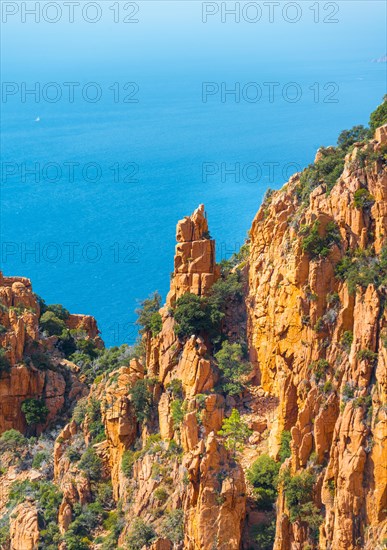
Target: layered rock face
{"x": 319, "y": 348}
{"x": 23, "y": 374}
{"x": 195, "y": 269}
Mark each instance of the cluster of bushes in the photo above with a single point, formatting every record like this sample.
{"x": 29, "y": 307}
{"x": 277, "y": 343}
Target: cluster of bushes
{"x": 298, "y": 490}
{"x": 86, "y": 519}
{"x": 172, "y": 526}
{"x": 285, "y": 451}
{"x": 264, "y": 535}
{"x": 327, "y": 170}
{"x": 148, "y": 314}
{"x": 263, "y": 476}
{"x": 91, "y": 464}
{"x": 142, "y": 534}
{"x": 35, "y": 411}
{"x": 379, "y": 116}
{"x": 154, "y": 445}
{"x": 319, "y": 369}
{"x": 330, "y": 166}
{"x": 233, "y": 365}
{"x": 235, "y": 432}
{"x": 4, "y": 532}
{"x": 346, "y": 340}
{"x": 48, "y": 498}
{"x": 318, "y": 246}
{"x": 12, "y": 440}
{"x": 362, "y": 268}
{"x": 95, "y": 363}
{"x": 240, "y": 257}
{"x": 363, "y": 199}
{"x": 142, "y": 399}
{"x": 195, "y": 315}
{"x": 90, "y": 408}
{"x": 52, "y": 318}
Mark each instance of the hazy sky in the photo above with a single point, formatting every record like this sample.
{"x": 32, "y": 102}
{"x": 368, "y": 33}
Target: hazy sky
{"x": 171, "y": 36}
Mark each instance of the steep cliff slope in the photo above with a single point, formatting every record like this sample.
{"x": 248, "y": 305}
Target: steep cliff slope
{"x": 251, "y": 414}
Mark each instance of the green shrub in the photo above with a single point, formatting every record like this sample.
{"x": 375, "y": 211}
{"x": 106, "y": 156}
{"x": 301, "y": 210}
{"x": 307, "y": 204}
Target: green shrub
{"x": 263, "y": 475}
{"x": 128, "y": 459}
{"x": 73, "y": 455}
{"x": 379, "y": 116}
{"x": 319, "y": 368}
{"x": 363, "y": 199}
{"x": 140, "y": 534}
{"x": 79, "y": 412}
{"x": 362, "y": 268}
{"x": 233, "y": 366}
{"x": 176, "y": 387}
{"x": 41, "y": 360}
{"x": 39, "y": 458}
{"x": 149, "y": 318}
{"x": 191, "y": 316}
{"x": 327, "y": 170}
{"x": 87, "y": 518}
{"x": 363, "y": 401}
{"x": 48, "y": 498}
{"x": 172, "y": 527}
{"x": 91, "y": 464}
{"x": 95, "y": 426}
{"x": 156, "y": 323}
{"x": 5, "y": 365}
{"x": 333, "y": 299}
{"x": 346, "y": 340}
{"x": 298, "y": 491}
{"x": 177, "y": 412}
{"x": 161, "y": 494}
{"x": 235, "y": 432}
{"x": 141, "y": 399}
{"x": 319, "y": 246}
{"x": 12, "y": 440}
{"x": 348, "y": 391}
{"x": 4, "y": 532}
{"x": 319, "y": 326}
{"x": 87, "y": 347}
{"x": 3, "y": 329}
{"x": 348, "y": 137}
{"x": 285, "y": 451}
{"x": 367, "y": 355}
{"x": 51, "y": 324}
{"x": 35, "y": 411}
{"x": 114, "y": 523}
{"x": 264, "y": 535}
{"x": 105, "y": 495}
{"x": 327, "y": 387}
{"x": 196, "y": 315}
{"x": 59, "y": 311}
{"x": 107, "y": 360}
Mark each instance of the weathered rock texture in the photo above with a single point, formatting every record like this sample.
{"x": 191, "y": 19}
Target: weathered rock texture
{"x": 195, "y": 268}
{"x": 23, "y": 347}
{"x": 298, "y": 313}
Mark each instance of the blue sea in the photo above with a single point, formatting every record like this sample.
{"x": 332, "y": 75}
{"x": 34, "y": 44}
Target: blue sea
{"x": 91, "y": 191}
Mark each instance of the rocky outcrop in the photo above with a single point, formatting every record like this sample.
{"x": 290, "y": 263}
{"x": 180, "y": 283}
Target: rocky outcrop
{"x": 32, "y": 366}
{"x": 300, "y": 314}
{"x": 195, "y": 267}
{"x": 24, "y": 528}
{"x": 215, "y": 502}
